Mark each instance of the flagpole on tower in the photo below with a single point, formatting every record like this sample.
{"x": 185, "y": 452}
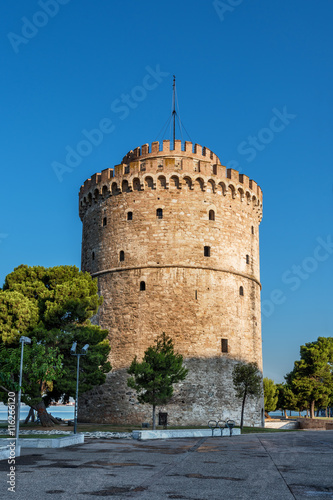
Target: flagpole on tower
{"x": 174, "y": 110}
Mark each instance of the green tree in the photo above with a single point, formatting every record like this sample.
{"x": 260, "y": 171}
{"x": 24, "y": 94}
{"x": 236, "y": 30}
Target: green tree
{"x": 41, "y": 366}
{"x": 287, "y": 399}
{"x": 311, "y": 379}
{"x": 247, "y": 381}
{"x": 53, "y": 306}
{"x": 154, "y": 377}
{"x": 270, "y": 395}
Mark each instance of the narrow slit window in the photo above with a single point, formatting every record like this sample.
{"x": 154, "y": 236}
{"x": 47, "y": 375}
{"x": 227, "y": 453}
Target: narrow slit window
{"x": 248, "y": 259}
{"x": 142, "y": 286}
{"x": 105, "y": 221}
{"x": 93, "y": 256}
{"x": 196, "y": 295}
{"x": 207, "y": 251}
{"x": 241, "y": 291}
{"x": 121, "y": 255}
{"x": 224, "y": 345}
{"x": 159, "y": 213}
{"x": 129, "y": 215}
{"x": 252, "y": 229}
{"x": 211, "y": 215}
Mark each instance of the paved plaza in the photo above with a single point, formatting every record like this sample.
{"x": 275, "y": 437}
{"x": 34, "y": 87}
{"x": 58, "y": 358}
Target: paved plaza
{"x": 281, "y": 466}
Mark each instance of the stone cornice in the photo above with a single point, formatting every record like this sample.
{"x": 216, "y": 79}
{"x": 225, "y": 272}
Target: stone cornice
{"x": 179, "y": 266}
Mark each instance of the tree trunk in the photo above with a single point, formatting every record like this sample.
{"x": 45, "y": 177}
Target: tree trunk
{"x": 285, "y": 413}
{"x": 326, "y": 412}
{"x": 154, "y": 417}
{"x": 45, "y": 419}
{"x": 242, "y": 414}
{"x": 312, "y": 409}
{"x": 31, "y": 415}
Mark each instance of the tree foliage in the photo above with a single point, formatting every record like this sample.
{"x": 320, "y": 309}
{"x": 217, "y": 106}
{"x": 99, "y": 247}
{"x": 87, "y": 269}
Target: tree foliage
{"x": 41, "y": 366}
{"x": 270, "y": 395}
{"x": 154, "y": 377}
{"x": 247, "y": 381}
{"x": 311, "y": 380}
{"x": 287, "y": 399}
{"x": 52, "y": 306}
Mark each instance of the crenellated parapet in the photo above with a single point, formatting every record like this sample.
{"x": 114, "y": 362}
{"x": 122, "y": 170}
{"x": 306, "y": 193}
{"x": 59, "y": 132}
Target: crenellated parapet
{"x": 157, "y": 149}
{"x": 193, "y": 168}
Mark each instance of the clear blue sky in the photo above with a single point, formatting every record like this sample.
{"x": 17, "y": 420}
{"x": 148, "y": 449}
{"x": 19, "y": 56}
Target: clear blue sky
{"x": 237, "y": 67}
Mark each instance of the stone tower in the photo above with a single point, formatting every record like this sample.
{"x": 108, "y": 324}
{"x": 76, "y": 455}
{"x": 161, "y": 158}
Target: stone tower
{"x": 173, "y": 238}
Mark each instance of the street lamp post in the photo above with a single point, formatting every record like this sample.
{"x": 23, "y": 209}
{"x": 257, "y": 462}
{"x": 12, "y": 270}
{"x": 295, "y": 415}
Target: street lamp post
{"x": 73, "y": 353}
{"x": 23, "y": 340}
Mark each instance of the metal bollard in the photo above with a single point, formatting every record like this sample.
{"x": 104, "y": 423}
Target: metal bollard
{"x": 230, "y": 424}
{"x": 222, "y": 425}
{"x": 211, "y": 426}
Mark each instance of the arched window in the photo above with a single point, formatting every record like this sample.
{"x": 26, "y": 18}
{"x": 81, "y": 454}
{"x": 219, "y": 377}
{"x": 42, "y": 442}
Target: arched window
{"x": 248, "y": 259}
{"x": 121, "y": 255}
{"x": 142, "y": 286}
{"x": 114, "y": 188}
{"x": 159, "y": 213}
{"x": 211, "y": 215}
{"x": 136, "y": 184}
{"x": 93, "y": 256}
{"x": 105, "y": 221}
{"x": 129, "y": 215}
{"x": 207, "y": 251}
{"x": 241, "y": 291}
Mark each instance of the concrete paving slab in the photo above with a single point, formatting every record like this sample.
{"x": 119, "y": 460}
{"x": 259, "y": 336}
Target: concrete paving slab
{"x": 4, "y": 452}
{"x": 60, "y": 442}
{"x": 286, "y": 466}
{"x": 184, "y": 433}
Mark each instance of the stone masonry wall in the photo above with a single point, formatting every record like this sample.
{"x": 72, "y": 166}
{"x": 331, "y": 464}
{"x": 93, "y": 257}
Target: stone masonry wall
{"x": 193, "y": 298}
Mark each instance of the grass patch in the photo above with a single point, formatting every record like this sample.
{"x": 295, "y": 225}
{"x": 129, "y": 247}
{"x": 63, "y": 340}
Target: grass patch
{"x": 129, "y": 428}
{"x": 253, "y": 430}
{"x": 321, "y": 418}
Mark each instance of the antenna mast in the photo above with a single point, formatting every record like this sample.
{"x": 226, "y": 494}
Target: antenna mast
{"x": 174, "y": 110}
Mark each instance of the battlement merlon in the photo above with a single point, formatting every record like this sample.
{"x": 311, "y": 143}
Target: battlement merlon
{"x": 162, "y": 149}
{"x": 197, "y": 161}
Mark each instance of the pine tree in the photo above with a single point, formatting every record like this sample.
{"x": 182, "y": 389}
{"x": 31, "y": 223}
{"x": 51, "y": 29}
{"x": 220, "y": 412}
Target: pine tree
{"x": 154, "y": 377}
{"x": 52, "y": 306}
{"x": 247, "y": 382}
{"x": 288, "y": 400}
{"x": 312, "y": 378}
{"x": 270, "y": 395}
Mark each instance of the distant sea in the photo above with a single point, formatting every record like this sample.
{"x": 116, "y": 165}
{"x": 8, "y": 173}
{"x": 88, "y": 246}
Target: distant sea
{"x": 289, "y": 414}
{"x": 65, "y": 412}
